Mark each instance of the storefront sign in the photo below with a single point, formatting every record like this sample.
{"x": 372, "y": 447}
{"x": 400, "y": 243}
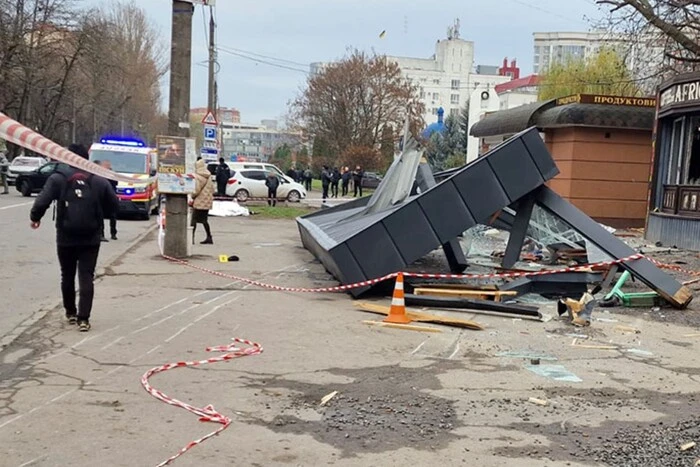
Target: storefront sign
{"x": 607, "y": 100}
{"x": 176, "y": 158}
{"x": 680, "y": 94}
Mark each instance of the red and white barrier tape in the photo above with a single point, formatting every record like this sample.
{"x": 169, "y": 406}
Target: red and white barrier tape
{"x": 671, "y": 267}
{"x": 19, "y": 134}
{"x": 344, "y": 288}
{"x": 208, "y": 413}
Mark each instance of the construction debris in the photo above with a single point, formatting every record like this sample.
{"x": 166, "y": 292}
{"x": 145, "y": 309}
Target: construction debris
{"x": 326, "y": 399}
{"x": 473, "y": 304}
{"x": 407, "y": 327}
{"x": 540, "y": 402}
{"x": 420, "y": 317}
{"x": 579, "y": 310}
{"x": 687, "y": 446}
{"x": 494, "y": 295}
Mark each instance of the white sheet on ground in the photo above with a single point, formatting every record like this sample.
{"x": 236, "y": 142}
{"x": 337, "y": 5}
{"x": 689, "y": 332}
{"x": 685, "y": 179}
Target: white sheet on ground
{"x": 228, "y": 209}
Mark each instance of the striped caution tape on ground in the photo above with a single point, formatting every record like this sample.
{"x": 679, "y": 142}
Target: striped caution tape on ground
{"x": 346, "y": 287}
{"x": 208, "y": 413}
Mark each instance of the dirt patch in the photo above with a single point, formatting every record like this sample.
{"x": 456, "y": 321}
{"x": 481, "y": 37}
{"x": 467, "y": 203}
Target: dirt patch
{"x": 382, "y": 409}
{"x": 615, "y": 442}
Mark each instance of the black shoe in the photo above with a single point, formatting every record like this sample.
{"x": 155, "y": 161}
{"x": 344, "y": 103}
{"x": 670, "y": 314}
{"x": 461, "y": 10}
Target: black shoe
{"x": 207, "y": 241}
{"x": 83, "y": 326}
{"x": 114, "y": 237}
{"x": 72, "y": 319}
{"x": 103, "y": 239}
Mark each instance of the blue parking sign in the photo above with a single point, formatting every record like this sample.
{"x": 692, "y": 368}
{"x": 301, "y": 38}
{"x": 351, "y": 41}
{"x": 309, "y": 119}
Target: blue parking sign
{"x": 210, "y": 133}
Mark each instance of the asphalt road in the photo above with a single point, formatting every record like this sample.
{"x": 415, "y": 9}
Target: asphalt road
{"x": 29, "y": 273}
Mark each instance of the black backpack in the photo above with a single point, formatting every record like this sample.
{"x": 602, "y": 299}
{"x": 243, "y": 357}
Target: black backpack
{"x": 79, "y": 207}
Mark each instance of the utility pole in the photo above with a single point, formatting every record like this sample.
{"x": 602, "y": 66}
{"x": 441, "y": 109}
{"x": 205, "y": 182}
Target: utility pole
{"x": 175, "y": 243}
{"x": 211, "y": 102}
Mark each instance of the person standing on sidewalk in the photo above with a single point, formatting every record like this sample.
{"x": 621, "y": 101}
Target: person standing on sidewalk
{"x": 202, "y": 200}
{"x": 326, "y": 177}
{"x": 346, "y": 180}
{"x": 82, "y": 202}
{"x": 357, "y": 180}
{"x": 335, "y": 179}
{"x": 272, "y": 183}
{"x": 223, "y": 173}
{"x": 4, "y": 169}
{"x": 113, "y": 218}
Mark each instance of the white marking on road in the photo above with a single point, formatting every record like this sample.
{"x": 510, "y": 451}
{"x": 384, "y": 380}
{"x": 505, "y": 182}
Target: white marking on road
{"x": 454, "y": 353}
{"x": 34, "y": 460}
{"x": 15, "y": 206}
{"x": 184, "y": 328}
{"x": 118, "y": 339}
{"x": 420, "y": 346}
{"x": 115, "y": 369}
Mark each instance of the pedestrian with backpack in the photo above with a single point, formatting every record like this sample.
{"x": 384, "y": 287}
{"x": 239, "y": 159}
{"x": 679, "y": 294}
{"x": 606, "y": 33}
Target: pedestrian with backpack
{"x": 82, "y": 201}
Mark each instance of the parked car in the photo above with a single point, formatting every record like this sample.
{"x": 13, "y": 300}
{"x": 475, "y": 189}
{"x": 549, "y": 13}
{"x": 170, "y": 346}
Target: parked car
{"x": 23, "y": 164}
{"x": 371, "y": 180}
{"x": 245, "y": 184}
{"x": 34, "y": 181}
{"x": 256, "y": 166}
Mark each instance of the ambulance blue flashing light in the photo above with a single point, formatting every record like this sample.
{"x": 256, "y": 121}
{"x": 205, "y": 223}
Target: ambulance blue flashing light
{"x": 134, "y": 143}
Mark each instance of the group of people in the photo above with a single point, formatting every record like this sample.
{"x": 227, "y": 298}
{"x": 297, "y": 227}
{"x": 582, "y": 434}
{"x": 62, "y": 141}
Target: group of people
{"x": 330, "y": 179}
{"x": 304, "y": 177}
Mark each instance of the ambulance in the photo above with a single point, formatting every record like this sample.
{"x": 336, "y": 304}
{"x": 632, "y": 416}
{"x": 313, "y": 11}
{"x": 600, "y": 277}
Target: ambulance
{"x": 133, "y": 158}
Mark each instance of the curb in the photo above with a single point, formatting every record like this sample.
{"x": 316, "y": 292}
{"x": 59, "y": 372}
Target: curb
{"x": 6, "y": 341}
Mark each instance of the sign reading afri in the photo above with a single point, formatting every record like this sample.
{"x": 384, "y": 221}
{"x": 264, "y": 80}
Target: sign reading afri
{"x": 176, "y": 158}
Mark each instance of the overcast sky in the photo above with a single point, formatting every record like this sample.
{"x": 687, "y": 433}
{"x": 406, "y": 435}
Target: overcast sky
{"x": 305, "y": 31}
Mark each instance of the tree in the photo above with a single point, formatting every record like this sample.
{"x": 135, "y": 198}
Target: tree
{"x": 78, "y": 74}
{"x": 604, "y": 73}
{"x": 664, "y": 35}
{"x": 464, "y": 125}
{"x": 282, "y": 157}
{"x": 386, "y": 148}
{"x": 348, "y": 103}
{"x": 444, "y": 149}
{"x": 366, "y": 157}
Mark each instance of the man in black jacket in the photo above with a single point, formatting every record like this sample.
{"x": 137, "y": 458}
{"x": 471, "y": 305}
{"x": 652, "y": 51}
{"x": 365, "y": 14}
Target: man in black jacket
{"x": 77, "y": 231}
{"x": 357, "y": 180}
{"x": 272, "y": 182}
{"x": 223, "y": 173}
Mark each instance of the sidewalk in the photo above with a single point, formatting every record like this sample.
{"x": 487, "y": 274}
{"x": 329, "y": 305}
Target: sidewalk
{"x": 404, "y": 398}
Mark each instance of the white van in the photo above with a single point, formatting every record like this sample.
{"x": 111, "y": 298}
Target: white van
{"x": 238, "y": 166}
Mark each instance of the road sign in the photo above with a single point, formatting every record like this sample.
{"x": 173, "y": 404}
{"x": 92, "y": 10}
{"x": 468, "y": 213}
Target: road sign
{"x": 209, "y": 151}
{"x": 209, "y": 133}
{"x": 209, "y": 119}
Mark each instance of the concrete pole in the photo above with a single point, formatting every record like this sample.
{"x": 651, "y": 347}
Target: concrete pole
{"x": 175, "y": 243}
{"x": 211, "y": 102}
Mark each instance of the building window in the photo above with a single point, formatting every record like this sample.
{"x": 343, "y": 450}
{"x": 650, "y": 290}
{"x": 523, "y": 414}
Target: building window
{"x": 436, "y": 81}
{"x": 454, "y": 99}
{"x": 422, "y": 94}
{"x": 436, "y": 96}
{"x": 676, "y": 152}
{"x": 455, "y": 84}
{"x": 454, "y": 112}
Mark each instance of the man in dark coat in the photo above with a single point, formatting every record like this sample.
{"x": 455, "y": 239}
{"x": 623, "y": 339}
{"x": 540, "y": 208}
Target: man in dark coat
{"x": 223, "y": 173}
{"x": 357, "y": 175}
{"x": 78, "y": 231}
{"x": 272, "y": 182}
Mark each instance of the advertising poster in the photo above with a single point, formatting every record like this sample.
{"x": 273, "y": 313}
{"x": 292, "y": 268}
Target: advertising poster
{"x": 176, "y": 158}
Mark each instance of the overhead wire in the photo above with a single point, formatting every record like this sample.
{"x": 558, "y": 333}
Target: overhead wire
{"x": 262, "y": 61}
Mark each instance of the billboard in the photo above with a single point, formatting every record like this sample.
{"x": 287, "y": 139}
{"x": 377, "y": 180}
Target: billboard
{"x": 176, "y": 158}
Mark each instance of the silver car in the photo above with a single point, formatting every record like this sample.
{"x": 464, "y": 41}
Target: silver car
{"x": 23, "y": 164}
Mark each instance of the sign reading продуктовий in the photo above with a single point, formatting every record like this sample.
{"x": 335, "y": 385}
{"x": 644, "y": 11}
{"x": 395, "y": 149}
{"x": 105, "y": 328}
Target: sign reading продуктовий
{"x": 176, "y": 158}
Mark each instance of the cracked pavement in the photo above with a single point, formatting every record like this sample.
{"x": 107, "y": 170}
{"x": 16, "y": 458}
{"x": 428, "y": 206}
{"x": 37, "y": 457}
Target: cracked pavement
{"x": 404, "y": 398}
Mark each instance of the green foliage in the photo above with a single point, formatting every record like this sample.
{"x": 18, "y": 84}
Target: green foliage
{"x": 282, "y": 157}
{"x": 444, "y": 149}
{"x": 604, "y": 73}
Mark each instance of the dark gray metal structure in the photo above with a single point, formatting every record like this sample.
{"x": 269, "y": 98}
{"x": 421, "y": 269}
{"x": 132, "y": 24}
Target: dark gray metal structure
{"x": 356, "y": 245}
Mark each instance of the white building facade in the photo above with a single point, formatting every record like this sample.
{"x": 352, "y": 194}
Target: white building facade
{"x": 447, "y": 79}
{"x": 641, "y": 53}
